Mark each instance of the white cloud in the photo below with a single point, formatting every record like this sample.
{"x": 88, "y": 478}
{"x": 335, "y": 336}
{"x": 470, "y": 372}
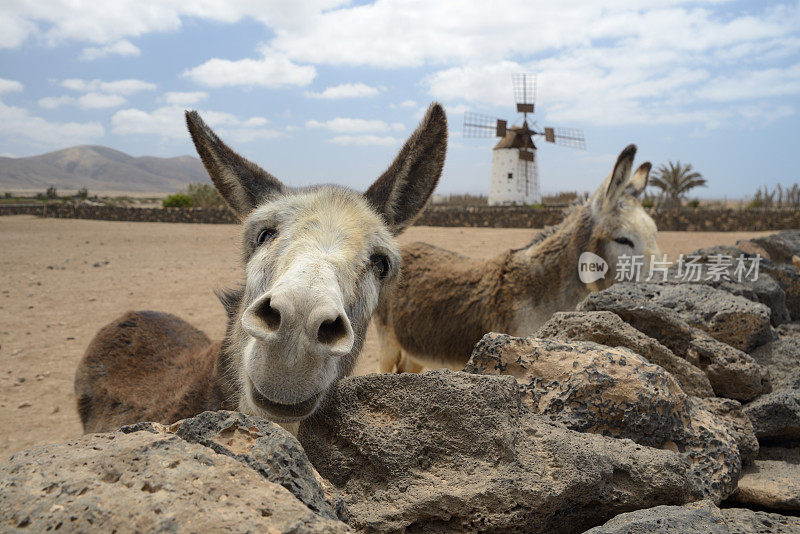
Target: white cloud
{"x": 348, "y": 125}
{"x": 389, "y": 34}
{"x": 406, "y": 104}
{"x": 52, "y": 102}
{"x": 58, "y": 21}
{"x": 273, "y": 70}
{"x": 610, "y": 62}
{"x": 119, "y": 87}
{"x": 91, "y": 100}
{"x": 345, "y": 90}
{"x": 620, "y": 83}
{"x": 365, "y": 140}
{"x": 184, "y": 99}
{"x": 169, "y": 122}
{"x": 120, "y": 48}
{"x": 488, "y": 83}
{"x": 100, "y": 100}
{"x": 764, "y": 83}
{"x": 14, "y": 29}
{"x": 16, "y": 122}
{"x": 9, "y": 86}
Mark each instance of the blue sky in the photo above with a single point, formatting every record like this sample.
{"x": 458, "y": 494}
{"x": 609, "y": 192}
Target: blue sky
{"x": 327, "y": 90}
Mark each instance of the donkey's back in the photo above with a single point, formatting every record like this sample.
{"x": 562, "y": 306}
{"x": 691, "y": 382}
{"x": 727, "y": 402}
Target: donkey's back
{"x": 146, "y": 366}
{"x": 442, "y": 305}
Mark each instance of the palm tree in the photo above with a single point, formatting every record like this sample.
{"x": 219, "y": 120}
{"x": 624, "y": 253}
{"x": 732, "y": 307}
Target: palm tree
{"x": 676, "y": 181}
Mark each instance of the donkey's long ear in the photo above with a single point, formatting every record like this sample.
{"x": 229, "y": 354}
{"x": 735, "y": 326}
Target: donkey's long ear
{"x": 619, "y": 177}
{"x": 242, "y": 183}
{"x": 639, "y": 180}
{"x": 404, "y": 189}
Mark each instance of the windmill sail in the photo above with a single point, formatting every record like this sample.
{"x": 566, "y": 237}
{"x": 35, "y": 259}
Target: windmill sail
{"x": 571, "y": 137}
{"x": 478, "y": 125}
{"x": 524, "y": 91}
{"x": 528, "y": 170}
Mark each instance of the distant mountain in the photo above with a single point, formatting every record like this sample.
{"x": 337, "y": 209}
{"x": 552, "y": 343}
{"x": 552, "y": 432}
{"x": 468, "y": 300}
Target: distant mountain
{"x": 100, "y": 168}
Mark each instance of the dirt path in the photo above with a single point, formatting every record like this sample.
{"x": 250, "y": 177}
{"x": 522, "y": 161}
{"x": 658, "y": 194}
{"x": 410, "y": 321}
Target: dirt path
{"x": 62, "y": 279}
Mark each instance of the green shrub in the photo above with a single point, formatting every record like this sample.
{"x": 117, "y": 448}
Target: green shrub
{"x": 203, "y": 196}
{"x": 648, "y": 203}
{"x": 83, "y": 193}
{"x": 177, "y": 200}
{"x": 693, "y": 203}
{"x": 51, "y": 192}
{"x": 8, "y": 195}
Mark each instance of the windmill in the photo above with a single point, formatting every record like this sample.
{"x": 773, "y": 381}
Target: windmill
{"x": 515, "y": 172}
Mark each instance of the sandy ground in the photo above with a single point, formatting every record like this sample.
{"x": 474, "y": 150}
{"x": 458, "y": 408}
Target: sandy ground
{"x": 61, "y": 280}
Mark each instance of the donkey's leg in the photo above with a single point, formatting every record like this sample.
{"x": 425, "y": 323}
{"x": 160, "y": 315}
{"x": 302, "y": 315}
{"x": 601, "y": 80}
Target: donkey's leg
{"x": 408, "y": 364}
{"x": 389, "y": 357}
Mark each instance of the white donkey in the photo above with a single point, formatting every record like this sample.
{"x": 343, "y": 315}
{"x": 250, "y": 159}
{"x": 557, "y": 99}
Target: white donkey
{"x": 317, "y": 263}
{"x": 446, "y": 302}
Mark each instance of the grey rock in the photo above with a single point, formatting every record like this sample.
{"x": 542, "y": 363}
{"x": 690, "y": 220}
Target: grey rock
{"x": 788, "y": 330}
{"x": 732, "y": 373}
{"x": 730, "y": 413}
{"x": 264, "y": 446}
{"x": 457, "y": 452}
{"x": 757, "y": 287}
{"x": 785, "y": 275}
{"x": 741, "y": 323}
{"x": 607, "y": 328}
{"x": 700, "y": 517}
{"x": 614, "y": 392}
{"x": 147, "y": 482}
{"x": 782, "y": 358}
{"x": 744, "y": 521}
{"x": 780, "y": 247}
{"x": 788, "y": 277}
{"x": 771, "y": 484}
{"x": 776, "y": 416}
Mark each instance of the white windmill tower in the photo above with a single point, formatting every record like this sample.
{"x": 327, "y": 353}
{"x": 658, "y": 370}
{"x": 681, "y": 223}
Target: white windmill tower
{"x": 515, "y": 172}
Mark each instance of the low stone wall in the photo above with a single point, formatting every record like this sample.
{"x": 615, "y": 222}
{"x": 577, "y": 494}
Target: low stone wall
{"x": 684, "y": 219}
{"x": 491, "y": 216}
{"x": 121, "y": 213}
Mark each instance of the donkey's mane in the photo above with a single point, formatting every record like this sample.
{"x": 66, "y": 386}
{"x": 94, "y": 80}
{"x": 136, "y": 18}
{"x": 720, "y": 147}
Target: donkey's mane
{"x": 549, "y": 230}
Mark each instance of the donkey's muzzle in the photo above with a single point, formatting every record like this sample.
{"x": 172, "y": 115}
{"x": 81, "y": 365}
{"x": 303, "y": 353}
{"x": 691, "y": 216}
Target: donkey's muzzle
{"x": 315, "y": 320}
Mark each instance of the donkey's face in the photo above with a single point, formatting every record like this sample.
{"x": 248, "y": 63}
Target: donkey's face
{"x": 317, "y": 262}
{"x": 622, "y": 227}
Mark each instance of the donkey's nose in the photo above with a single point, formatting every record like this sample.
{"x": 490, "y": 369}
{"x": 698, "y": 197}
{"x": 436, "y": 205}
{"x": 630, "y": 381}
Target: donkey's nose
{"x": 263, "y": 318}
{"x": 269, "y": 314}
{"x": 329, "y": 327}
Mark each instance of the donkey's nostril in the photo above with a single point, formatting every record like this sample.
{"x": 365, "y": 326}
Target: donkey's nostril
{"x": 268, "y": 314}
{"x": 331, "y": 331}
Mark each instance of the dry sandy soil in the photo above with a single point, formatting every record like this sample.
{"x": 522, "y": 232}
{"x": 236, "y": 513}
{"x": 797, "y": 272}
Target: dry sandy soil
{"x": 61, "y": 280}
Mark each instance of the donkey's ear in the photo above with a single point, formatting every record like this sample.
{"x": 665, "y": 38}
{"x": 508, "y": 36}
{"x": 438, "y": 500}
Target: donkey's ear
{"x": 242, "y": 183}
{"x": 619, "y": 177}
{"x": 404, "y": 189}
{"x": 639, "y": 180}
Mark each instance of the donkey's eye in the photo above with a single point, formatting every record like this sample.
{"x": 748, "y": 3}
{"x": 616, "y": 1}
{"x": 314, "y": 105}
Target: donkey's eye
{"x": 624, "y": 241}
{"x": 380, "y": 264}
{"x": 266, "y": 234}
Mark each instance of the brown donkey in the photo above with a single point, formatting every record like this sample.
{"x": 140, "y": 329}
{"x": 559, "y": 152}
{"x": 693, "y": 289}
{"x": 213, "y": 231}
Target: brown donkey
{"x": 444, "y": 302}
{"x": 317, "y": 263}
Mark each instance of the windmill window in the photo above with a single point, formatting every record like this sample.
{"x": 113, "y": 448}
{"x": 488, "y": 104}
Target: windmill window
{"x": 510, "y": 175}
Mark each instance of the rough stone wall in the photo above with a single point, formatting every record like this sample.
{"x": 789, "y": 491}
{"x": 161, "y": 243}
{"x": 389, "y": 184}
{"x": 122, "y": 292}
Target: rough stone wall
{"x": 120, "y": 213}
{"x": 693, "y": 220}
